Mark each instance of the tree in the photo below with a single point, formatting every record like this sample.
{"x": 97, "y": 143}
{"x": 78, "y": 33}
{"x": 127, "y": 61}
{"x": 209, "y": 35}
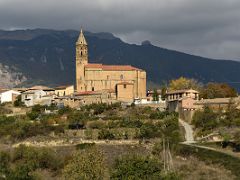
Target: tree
{"x": 206, "y": 119}
{"x": 184, "y": 83}
{"x": 155, "y": 95}
{"x": 217, "y": 90}
{"x": 163, "y": 92}
{"x": 18, "y": 102}
{"x": 136, "y": 167}
{"x": 86, "y": 164}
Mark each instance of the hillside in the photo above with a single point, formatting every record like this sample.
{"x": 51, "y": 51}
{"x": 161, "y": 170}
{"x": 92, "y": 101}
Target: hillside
{"x": 48, "y": 57}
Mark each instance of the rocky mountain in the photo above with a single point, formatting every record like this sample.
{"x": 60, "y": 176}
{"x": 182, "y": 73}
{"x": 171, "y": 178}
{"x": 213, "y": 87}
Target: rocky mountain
{"x": 47, "y": 57}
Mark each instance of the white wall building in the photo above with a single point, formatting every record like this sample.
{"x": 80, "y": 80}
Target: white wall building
{"x": 8, "y": 96}
{"x": 34, "y": 97}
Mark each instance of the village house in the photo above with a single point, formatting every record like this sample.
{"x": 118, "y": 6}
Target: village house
{"x": 64, "y": 90}
{"x": 181, "y": 98}
{"x": 41, "y": 95}
{"x": 89, "y": 97}
{"x": 8, "y": 95}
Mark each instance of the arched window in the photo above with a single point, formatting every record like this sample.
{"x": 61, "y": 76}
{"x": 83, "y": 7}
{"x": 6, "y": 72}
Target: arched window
{"x": 121, "y": 77}
{"x": 81, "y": 53}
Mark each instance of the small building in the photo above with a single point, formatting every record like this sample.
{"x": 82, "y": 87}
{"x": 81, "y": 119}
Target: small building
{"x": 64, "y": 90}
{"x": 38, "y": 95}
{"x": 85, "y": 98}
{"x": 8, "y": 95}
{"x": 179, "y": 98}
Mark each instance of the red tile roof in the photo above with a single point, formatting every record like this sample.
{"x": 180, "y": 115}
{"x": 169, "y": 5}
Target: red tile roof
{"x": 86, "y": 93}
{"x": 62, "y": 87}
{"x": 113, "y": 67}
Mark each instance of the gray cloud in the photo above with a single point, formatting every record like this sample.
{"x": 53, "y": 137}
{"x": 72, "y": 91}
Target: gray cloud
{"x": 203, "y": 27}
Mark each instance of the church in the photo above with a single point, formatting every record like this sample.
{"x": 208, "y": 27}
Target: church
{"x": 124, "y": 81}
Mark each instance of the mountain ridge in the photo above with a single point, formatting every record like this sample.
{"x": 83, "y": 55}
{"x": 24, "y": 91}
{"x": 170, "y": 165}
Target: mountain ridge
{"x": 48, "y": 56}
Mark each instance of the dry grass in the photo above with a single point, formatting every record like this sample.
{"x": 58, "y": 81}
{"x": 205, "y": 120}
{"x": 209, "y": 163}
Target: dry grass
{"x": 194, "y": 169}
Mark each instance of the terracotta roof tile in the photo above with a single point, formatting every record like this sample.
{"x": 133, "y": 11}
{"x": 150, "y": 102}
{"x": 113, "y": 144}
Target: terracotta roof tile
{"x": 62, "y": 87}
{"x": 113, "y": 67}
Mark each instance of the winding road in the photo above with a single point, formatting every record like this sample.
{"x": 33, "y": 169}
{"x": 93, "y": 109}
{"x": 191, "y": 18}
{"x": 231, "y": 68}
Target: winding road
{"x": 188, "y": 132}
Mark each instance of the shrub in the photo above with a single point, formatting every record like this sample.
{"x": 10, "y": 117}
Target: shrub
{"x": 4, "y": 164}
{"x": 18, "y": 102}
{"x": 105, "y": 134}
{"x": 127, "y": 122}
{"x": 85, "y": 164}
{"x": 97, "y": 124}
{"x": 84, "y": 146}
{"x": 136, "y": 167}
{"x": 64, "y": 110}
{"x": 37, "y": 158}
{"x": 21, "y": 172}
{"x": 149, "y": 130}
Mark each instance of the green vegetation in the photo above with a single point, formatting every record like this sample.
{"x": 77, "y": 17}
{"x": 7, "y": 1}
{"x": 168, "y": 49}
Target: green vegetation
{"x": 217, "y": 90}
{"x": 184, "y": 83}
{"x": 18, "y": 102}
{"x": 208, "y": 120}
{"x": 212, "y": 157}
{"x": 98, "y": 161}
{"x": 155, "y": 95}
{"x": 26, "y": 161}
{"x": 86, "y": 165}
{"x": 113, "y": 122}
{"x": 84, "y": 146}
{"x": 137, "y": 167}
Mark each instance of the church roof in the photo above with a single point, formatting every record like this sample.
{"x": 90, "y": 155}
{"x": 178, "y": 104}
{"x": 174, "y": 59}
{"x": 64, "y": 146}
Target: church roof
{"x": 112, "y": 67}
{"x": 81, "y": 39}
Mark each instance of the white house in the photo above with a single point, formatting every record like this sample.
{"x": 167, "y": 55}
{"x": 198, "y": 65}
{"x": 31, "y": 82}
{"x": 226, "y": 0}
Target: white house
{"x": 9, "y": 96}
{"x": 34, "y": 97}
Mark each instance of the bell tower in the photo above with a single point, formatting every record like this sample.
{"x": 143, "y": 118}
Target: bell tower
{"x": 81, "y": 61}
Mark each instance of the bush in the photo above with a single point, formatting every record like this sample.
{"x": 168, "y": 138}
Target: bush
{"x": 149, "y": 130}
{"x": 84, "y": 146}
{"x": 136, "y": 167}
{"x": 97, "y": 124}
{"x": 18, "y": 102}
{"x": 127, "y": 122}
{"x": 64, "y": 110}
{"x": 86, "y": 165}
{"x": 21, "y": 172}
{"x": 4, "y": 164}
{"x": 105, "y": 134}
{"x": 36, "y": 158}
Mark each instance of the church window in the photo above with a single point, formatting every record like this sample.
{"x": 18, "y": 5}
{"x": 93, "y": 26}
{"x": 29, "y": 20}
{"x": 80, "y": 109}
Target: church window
{"x": 81, "y": 53}
{"x": 121, "y": 77}
{"x": 124, "y": 86}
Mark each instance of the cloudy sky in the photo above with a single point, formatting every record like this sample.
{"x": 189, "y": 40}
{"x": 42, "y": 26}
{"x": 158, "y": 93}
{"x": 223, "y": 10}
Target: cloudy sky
{"x": 208, "y": 28}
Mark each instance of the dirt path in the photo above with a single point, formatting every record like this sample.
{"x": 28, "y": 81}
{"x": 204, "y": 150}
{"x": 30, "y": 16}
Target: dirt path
{"x": 188, "y": 132}
{"x": 189, "y": 140}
